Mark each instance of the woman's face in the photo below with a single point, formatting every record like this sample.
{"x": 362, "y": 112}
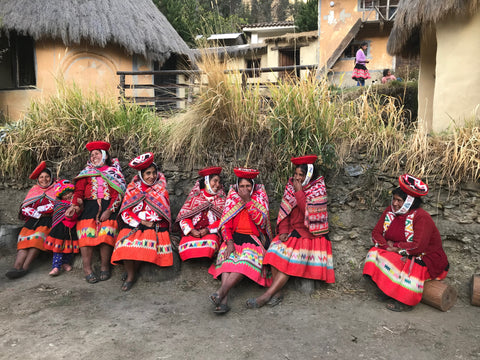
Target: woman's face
{"x": 299, "y": 175}
{"x": 215, "y": 183}
{"x": 365, "y": 47}
{"x": 149, "y": 175}
{"x": 96, "y": 157}
{"x": 44, "y": 179}
{"x": 245, "y": 184}
{"x": 397, "y": 202}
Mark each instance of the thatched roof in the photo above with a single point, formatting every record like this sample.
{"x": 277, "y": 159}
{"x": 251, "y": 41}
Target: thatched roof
{"x": 294, "y": 37}
{"x": 136, "y": 25}
{"x": 232, "y": 51}
{"x": 415, "y": 15}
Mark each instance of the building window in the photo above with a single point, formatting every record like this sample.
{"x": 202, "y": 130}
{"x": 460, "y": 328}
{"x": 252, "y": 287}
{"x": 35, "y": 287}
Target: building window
{"x": 365, "y": 4}
{"x": 352, "y": 48}
{"x": 253, "y": 64}
{"x": 17, "y": 62}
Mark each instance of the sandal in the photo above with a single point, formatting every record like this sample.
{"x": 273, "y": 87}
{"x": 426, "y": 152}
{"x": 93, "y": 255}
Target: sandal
{"x": 91, "y": 278}
{"x": 253, "y": 304}
{"x": 54, "y": 272}
{"x": 222, "y": 309}
{"x": 127, "y": 285}
{"x": 105, "y": 275}
{"x": 215, "y": 299}
{"x": 274, "y": 300}
{"x": 124, "y": 276}
{"x": 16, "y": 273}
{"x": 397, "y": 306}
{"x": 67, "y": 267}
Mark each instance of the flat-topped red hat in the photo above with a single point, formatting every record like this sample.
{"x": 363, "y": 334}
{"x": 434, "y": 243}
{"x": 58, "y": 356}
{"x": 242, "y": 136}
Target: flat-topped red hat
{"x": 307, "y": 159}
{"x": 412, "y": 186}
{"x": 98, "y": 145}
{"x": 212, "y": 170}
{"x": 38, "y": 170}
{"x": 245, "y": 173}
{"x": 142, "y": 161}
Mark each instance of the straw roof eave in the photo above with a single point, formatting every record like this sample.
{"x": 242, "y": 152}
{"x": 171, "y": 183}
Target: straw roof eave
{"x": 135, "y": 25}
{"x": 414, "y": 16}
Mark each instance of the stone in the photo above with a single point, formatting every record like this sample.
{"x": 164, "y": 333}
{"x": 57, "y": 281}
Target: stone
{"x": 354, "y": 170}
{"x": 8, "y": 238}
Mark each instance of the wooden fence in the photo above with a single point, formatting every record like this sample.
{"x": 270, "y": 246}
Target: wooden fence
{"x": 173, "y": 89}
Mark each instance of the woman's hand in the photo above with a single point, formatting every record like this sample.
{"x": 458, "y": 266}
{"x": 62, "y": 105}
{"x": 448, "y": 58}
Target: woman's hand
{"x": 148, "y": 224}
{"x": 297, "y": 185}
{"x": 229, "y": 250}
{"x": 105, "y": 215}
{"x": 283, "y": 237}
{"x": 71, "y": 211}
{"x": 244, "y": 194}
{"x": 195, "y": 233}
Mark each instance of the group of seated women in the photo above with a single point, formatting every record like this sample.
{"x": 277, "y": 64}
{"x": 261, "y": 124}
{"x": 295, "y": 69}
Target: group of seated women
{"x": 131, "y": 225}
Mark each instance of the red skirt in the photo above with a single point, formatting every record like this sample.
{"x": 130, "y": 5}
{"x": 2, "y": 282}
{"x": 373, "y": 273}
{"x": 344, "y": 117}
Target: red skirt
{"x": 34, "y": 233}
{"x": 143, "y": 244}
{"x": 247, "y": 260}
{"x": 398, "y": 277}
{"x": 191, "y": 247}
{"x": 302, "y": 257}
{"x": 360, "y": 72}
{"x": 62, "y": 239}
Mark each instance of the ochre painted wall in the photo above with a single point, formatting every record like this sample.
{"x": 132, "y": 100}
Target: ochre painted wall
{"x": 91, "y": 68}
{"x": 457, "y": 82}
{"x": 335, "y": 23}
{"x": 426, "y": 81}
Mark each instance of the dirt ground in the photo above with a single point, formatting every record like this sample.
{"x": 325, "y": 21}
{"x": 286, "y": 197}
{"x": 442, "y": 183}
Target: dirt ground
{"x": 66, "y": 318}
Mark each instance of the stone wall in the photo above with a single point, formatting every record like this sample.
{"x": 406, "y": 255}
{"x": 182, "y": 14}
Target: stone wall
{"x": 356, "y": 200}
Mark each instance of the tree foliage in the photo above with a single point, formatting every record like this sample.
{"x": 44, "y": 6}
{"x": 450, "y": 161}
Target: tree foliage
{"x": 306, "y": 18}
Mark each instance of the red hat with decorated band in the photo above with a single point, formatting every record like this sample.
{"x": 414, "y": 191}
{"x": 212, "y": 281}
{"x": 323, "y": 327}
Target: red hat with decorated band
{"x": 212, "y": 170}
{"x": 142, "y": 161}
{"x": 38, "y": 170}
{"x": 307, "y": 159}
{"x": 98, "y": 145}
{"x": 412, "y": 186}
{"x": 245, "y": 173}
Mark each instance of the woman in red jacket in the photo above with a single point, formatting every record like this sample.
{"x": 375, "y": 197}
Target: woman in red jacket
{"x": 408, "y": 248}
{"x": 301, "y": 247}
{"x": 36, "y": 210}
{"x": 245, "y": 227}
{"x": 98, "y": 195}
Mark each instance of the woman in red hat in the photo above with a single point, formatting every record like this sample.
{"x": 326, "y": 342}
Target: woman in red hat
{"x": 245, "y": 228}
{"x": 98, "y": 195}
{"x": 200, "y": 215}
{"x": 36, "y": 210}
{"x": 145, "y": 221}
{"x": 301, "y": 247}
{"x": 408, "y": 248}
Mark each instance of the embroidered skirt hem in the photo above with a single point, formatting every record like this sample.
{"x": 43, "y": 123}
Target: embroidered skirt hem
{"x": 398, "y": 277}
{"x": 247, "y": 260}
{"x": 143, "y": 245}
{"x": 62, "y": 239}
{"x": 303, "y": 257}
{"x": 34, "y": 233}
{"x": 191, "y": 247}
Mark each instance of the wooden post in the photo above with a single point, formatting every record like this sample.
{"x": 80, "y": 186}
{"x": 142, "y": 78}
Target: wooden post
{"x": 439, "y": 294}
{"x": 121, "y": 87}
{"x": 475, "y": 290}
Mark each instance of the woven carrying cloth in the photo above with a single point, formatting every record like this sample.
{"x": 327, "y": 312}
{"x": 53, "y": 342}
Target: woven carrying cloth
{"x": 37, "y": 193}
{"x": 234, "y": 205}
{"x": 197, "y": 203}
{"x": 316, "y": 215}
{"x": 155, "y": 196}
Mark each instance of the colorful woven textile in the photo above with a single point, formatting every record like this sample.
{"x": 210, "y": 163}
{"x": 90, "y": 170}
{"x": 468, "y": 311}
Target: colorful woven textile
{"x": 234, "y": 205}
{"x": 34, "y": 233}
{"x": 156, "y": 196}
{"x": 197, "y": 202}
{"x": 111, "y": 174}
{"x": 401, "y": 278}
{"x": 316, "y": 215}
{"x": 143, "y": 244}
{"x": 191, "y": 247}
{"x": 37, "y": 193}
